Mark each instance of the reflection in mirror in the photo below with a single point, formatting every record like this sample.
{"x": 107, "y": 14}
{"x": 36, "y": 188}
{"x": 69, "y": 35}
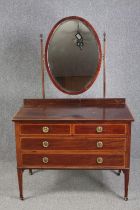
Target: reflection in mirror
{"x": 73, "y": 56}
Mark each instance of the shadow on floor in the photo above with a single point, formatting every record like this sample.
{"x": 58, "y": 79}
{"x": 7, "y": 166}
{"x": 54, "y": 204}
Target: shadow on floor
{"x": 74, "y": 180}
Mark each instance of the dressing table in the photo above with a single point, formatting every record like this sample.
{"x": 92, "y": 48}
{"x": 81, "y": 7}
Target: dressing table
{"x": 73, "y": 133}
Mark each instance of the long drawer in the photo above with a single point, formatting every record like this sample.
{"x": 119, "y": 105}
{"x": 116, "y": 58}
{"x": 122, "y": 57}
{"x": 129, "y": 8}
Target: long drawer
{"x": 73, "y": 143}
{"x": 72, "y": 160}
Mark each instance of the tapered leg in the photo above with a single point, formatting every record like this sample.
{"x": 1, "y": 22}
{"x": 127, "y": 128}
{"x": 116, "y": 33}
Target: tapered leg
{"x": 30, "y": 172}
{"x": 20, "y": 182}
{"x": 126, "y": 181}
{"x": 119, "y": 172}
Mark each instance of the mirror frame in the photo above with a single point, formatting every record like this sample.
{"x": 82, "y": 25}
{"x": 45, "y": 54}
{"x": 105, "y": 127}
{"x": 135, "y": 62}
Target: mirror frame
{"x": 93, "y": 78}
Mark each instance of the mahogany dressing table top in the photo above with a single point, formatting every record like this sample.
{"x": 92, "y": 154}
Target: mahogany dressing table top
{"x": 74, "y": 109}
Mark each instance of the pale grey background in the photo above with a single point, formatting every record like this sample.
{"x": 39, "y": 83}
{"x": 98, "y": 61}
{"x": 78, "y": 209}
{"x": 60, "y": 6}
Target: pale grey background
{"x": 21, "y": 22}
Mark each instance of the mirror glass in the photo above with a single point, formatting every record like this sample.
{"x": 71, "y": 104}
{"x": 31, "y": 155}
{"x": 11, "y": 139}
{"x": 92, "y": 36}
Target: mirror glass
{"x": 73, "y": 55}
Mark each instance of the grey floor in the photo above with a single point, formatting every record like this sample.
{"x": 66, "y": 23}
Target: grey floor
{"x": 69, "y": 190}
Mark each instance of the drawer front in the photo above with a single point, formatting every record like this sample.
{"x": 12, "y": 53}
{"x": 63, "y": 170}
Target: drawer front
{"x": 62, "y": 143}
{"x": 117, "y": 129}
{"x": 45, "y": 129}
{"x": 72, "y": 160}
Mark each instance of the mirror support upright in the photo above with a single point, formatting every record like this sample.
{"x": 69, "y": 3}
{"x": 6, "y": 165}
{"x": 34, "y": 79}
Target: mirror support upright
{"x": 104, "y": 65}
{"x": 42, "y": 65}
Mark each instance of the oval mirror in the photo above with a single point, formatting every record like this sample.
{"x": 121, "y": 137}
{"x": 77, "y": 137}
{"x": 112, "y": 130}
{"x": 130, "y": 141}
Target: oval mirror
{"x": 73, "y": 55}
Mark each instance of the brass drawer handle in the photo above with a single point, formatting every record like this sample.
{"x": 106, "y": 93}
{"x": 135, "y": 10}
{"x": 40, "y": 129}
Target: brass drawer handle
{"x": 45, "y": 143}
{"x": 99, "y": 129}
{"x": 45, "y": 160}
{"x": 45, "y": 129}
{"x": 99, "y": 160}
{"x": 100, "y": 144}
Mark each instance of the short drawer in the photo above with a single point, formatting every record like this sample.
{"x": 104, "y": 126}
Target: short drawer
{"x": 72, "y": 160}
{"x": 44, "y": 129}
{"x": 69, "y": 143}
{"x": 115, "y": 129}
